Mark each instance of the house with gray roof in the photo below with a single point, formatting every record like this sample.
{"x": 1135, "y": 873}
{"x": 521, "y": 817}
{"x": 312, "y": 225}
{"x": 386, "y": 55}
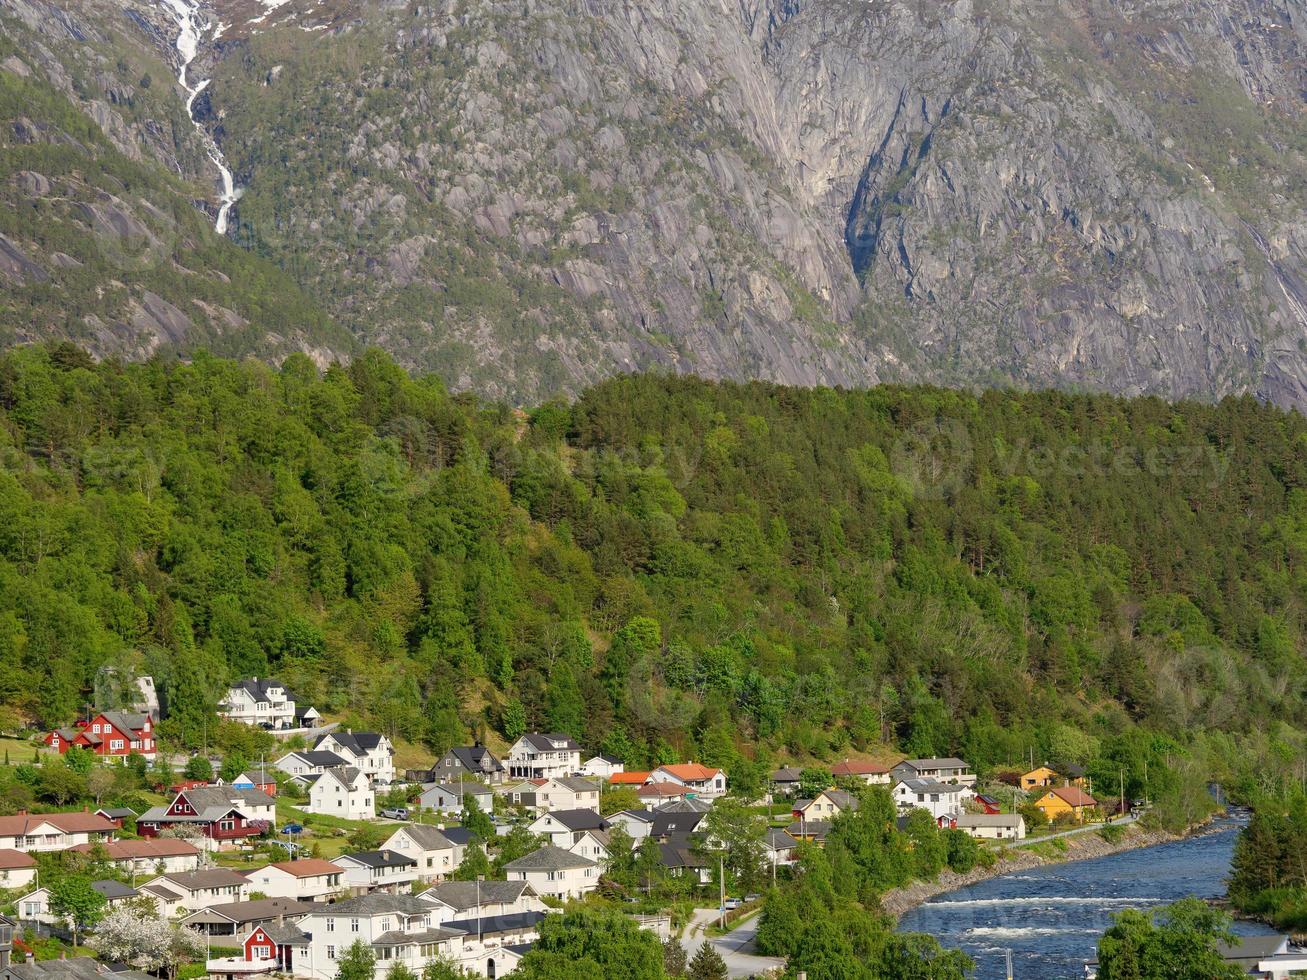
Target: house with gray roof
{"x": 263, "y": 703}
{"x": 555, "y": 873}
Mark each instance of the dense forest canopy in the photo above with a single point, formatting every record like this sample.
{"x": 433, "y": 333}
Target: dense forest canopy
{"x": 667, "y": 568}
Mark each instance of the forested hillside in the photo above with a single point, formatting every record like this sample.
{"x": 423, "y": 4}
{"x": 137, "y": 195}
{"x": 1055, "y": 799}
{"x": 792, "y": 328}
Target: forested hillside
{"x": 667, "y": 568}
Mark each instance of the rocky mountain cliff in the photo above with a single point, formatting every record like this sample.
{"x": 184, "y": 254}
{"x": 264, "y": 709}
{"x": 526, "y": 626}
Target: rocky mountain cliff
{"x": 529, "y": 196}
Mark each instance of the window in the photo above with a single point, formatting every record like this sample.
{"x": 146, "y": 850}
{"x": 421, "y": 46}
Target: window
{"x": 353, "y": 925}
{"x": 331, "y": 925}
{"x": 331, "y": 952}
{"x": 116, "y": 745}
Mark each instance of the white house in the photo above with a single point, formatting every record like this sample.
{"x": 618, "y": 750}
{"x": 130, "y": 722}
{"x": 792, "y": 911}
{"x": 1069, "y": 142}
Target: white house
{"x": 825, "y": 806}
{"x": 190, "y": 891}
{"x": 305, "y": 880}
{"x": 370, "y": 871}
{"x": 452, "y": 900}
{"x": 397, "y": 928}
{"x": 371, "y": 753}
{"x": 35, "y": 906}
{"x": 543, "y": 756}
{"x": 17, "y": 870}
{"x": 638, "y": 824}
{"x": 703, "y": 781}
{"x": 948, "y": 770}
{"x": 156, "y": 855}
{"x": 434, "y": 854}
{"x": 941, "y": 799}
{"x": 555, "y": 873}
{"x": 343, "y": 792}
{"x": 565, "y": 827}
{"x": 603, "y": 767}
{"x": 302, "y": 765}
{"x": 264, "y": 703}
{"x": 779, "y": 847}
{"x": 449, "y": 798}
{"x": 993, "y": 826}
{"x": 593, "y": 844}
{"x": 53, "y": 831}
{"x": 566, "y": 793}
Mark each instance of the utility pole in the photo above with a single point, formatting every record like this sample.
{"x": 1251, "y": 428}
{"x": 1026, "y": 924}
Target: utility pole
{"x": 721, "y": 882}
{"x": 1124, "y": 808}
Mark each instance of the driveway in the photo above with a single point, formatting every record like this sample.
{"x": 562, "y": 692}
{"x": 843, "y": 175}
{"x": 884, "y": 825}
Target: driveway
{"x": 736, "y": 946}
{"x": 1087, "y": 828}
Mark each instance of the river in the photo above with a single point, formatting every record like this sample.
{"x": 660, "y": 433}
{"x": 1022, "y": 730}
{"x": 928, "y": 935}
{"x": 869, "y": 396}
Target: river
{"x": 1051, "y": 917}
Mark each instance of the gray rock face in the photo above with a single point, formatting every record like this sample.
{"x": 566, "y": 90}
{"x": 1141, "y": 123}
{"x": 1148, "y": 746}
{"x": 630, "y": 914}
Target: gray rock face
{"x": 530, "y": 196}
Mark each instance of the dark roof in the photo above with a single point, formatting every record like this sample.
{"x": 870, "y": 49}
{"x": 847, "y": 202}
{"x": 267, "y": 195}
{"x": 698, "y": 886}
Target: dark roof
{"x": 360, "y": 743}
{"x": 126, "y": 721}
{"x": 779, "y": 840}
{"x": 944, "y": 763}
{"x": 460, "y": 836}
{"x": 381, "y": 859}
{"x": 426, "y": 837}
{"x": 669, "y": 824}
{"x": 74, "y": 968}
{"x": 114, "y": 889}
{"x": 549, "y": 858}
{"x": 679, "y": 856}
{"x": 400, "y": 938}
{"x": 578, "y": 819}
{"x": 210, "y": 878}
{"x": 786, "y": 774}
{"x": 328, "y": 760}
{"x": 816, "y": 829}
{"x": 258, "y": 688}
{"x": 117, "y": 813}
{"x": 476, "y": 758}
{"x": 544, "y": 741}
{"x": 285, "y": 935}
{"x": 381, "y": 902}
{"x": 256, "y": 910}
{"x": 464, "y": 895}
{"x": 491, "y": 924}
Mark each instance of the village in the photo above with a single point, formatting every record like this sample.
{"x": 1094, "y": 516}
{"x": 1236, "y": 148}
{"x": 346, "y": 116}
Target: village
{"x": 281, "y": 867}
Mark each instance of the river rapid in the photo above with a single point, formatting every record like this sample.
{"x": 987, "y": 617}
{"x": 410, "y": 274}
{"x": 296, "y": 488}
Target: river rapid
{"x": 1051, "y": 917}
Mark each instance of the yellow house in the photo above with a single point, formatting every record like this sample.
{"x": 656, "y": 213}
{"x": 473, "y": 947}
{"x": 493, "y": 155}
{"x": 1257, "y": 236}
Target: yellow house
{"x": 1043, "y": 776}
{"x": 1064, "y": 800}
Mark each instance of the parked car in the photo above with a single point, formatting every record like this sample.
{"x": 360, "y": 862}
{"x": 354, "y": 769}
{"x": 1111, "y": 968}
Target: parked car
{"x": 752, "y": 898}
{"x": 396, "y": 813}
{"x": 292, "y": 849}
{"x": 732, "y": 903}
{"x": 293, "y": 828}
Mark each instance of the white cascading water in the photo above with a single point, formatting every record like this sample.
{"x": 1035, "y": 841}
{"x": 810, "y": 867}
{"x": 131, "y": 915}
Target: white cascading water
{"x": 186, "y": 12}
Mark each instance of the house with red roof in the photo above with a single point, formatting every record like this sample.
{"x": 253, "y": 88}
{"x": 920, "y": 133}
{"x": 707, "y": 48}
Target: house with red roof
{"x": 657, "y": 792}
{"x": 17, "y": 870}
{"x": 637, "y": 778}
{"x": 699, "y": 780}
{"x": 109, "y": 734}
{"x": 147, "y": 856}
{"x": 29, "y": 832}
{"x": 870, "y": 773}
{"x": 306, "y": 880}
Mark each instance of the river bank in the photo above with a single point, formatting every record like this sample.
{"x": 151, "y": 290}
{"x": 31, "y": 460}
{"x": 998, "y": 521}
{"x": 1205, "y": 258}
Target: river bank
{"x": 1083, "y": 847}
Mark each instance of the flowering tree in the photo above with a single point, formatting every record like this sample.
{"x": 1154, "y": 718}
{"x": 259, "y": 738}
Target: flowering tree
{"x": 131, "y": 936}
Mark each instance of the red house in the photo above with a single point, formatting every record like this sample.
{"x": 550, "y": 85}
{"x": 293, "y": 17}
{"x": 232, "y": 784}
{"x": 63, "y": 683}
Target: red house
{"x": 221, "y": 813}
{"x": 268, "y": 949}
{"x": 110, "y": 734}
{"x": 988, "y": 804}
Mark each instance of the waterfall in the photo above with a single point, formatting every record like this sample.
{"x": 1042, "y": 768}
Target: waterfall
{"x": 186, "y": 13}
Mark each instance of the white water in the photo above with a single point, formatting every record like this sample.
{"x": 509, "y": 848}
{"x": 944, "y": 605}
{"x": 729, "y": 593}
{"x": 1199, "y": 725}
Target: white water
{"x": 186, "y": 13}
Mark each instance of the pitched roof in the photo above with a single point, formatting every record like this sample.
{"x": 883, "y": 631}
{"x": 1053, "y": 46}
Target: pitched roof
{"x": 284, "y": 935}
{"x": 476, "y": 758}
{"x": 117, "y": 813}
{"x": 929, "y": 786}
{"x": 111, "y": 889}
{"x": 74, "y": 968}
{"x": 154, "y": 847}
{"x": 255, "y": 910}
{"x": 577, "y": 819}
{"x": 780, "y": 840}
{"x": 678, "y": 855}
{"x": 856, "y": 767}
{"x": 667, "y": 824}
{"x": 125, "y": 721}
{"x": 306, "y": 867}
{"x": 426, "y": 837}
{"x": 786, "y": 774}
{"x": 399, "y": 937}
{"x": 544, "y": 742}
{"x": 77, "y": 822}
{"x": 208, "y": 878}
{"x": 661, "y": 790}
{"x": 203, "y": 798}
{"x": 347, "y": 776}
{"x": 644, "y": 816}
{"x": 358, "y": 743}
{"x": 816, "y": 829}
{"x": 689, "y": 771}
{"x": 463, "y": 895}
{"x": 577, "y": 784}
{"x": 1073, "y": 796}
{"x": 12, "y": 860}
{"x": 258, "y": 688}
{"x": 683, "y": 804}
{"x": 378, "y": 902}
{"x": 944, "y": 763}
{"x": 496, "y": 924}
{"x": 459, "y": 836}
{"x": 323, "y": 758}
{"x": 380, "y": 859}
{"x": 549, "y": 858}
{"x": 629, "y": 778}
{"x": 989, "y": 819}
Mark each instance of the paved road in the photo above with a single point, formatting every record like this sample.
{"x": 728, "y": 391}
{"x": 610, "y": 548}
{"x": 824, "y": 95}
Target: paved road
{"x": 736, "y": 946}
{"x": 1119, "y": 821}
